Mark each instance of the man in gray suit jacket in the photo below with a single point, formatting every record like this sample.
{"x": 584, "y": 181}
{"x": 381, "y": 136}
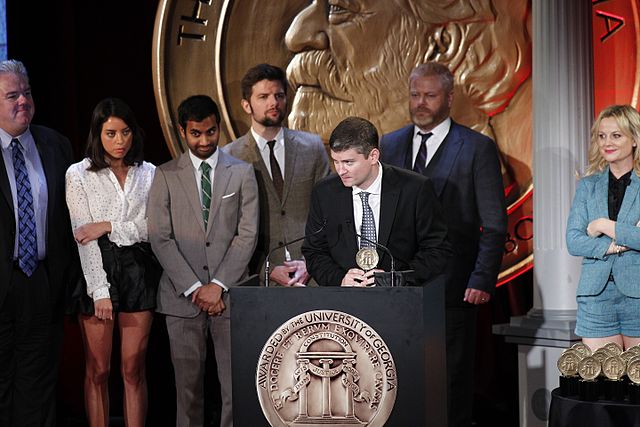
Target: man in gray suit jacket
{"x": 203, "y": 223}
{"x": 273, "y": 149}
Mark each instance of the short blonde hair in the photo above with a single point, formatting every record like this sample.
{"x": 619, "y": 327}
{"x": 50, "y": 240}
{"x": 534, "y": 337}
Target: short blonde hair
{"x": 628, "y": 119}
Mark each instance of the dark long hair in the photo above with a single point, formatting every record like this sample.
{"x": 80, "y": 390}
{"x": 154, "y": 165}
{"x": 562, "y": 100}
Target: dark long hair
{"x": 113, "y": 107}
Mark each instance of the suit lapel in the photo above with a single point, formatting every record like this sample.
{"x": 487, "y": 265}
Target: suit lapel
{"x": 5, "y": 187}
{"x": 602, "y": 188}
{"x": 253, "y": 152}
{"x": 49, "y": 167}
{"x": 221, "y": 178}
{"x": 388, "y": 204}
{"x": 187, "y": 178}
{"x": 440, "y": 169}
{"x": 407, "y": 148}
{"x": 629, "y": 199}
{"x": 344, "y": 200}
{"x": 290, "y": 156}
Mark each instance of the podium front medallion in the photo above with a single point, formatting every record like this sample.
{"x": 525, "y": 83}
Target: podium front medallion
{"x": 326, "y": 367}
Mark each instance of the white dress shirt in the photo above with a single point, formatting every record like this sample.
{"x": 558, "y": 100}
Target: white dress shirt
{"x": 439, "y": 132}
{"x": 375, "y": 195}
{"x": 197, "y": 161}
{"x": 97, "y": 197}
{"x": 38, "y": 181}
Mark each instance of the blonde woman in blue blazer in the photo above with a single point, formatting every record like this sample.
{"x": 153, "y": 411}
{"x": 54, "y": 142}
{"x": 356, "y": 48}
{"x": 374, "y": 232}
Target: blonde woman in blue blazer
{"x": 603, "y": 228}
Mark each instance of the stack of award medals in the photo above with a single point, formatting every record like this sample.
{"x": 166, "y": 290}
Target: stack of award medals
{"x": 607, "y": 373}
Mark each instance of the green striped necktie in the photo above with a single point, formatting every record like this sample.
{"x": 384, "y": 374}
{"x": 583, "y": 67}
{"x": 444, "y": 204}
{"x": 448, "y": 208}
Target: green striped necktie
{"x": 205, "y": 182}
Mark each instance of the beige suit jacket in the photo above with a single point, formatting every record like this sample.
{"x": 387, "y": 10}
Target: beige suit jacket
{"x": 187, "y": 251}
{"x": 305, "y": 163}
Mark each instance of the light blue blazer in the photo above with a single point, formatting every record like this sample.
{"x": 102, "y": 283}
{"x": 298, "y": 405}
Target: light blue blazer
{"x": 591, "y": 202}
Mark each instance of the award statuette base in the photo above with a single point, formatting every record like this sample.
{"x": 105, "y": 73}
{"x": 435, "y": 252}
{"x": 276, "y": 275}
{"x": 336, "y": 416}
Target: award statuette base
{"x": 614, "y": 390}
{"x": 634, "y": 393}
{"x": 589, "y": 390}
{"x": 569, "y": 386}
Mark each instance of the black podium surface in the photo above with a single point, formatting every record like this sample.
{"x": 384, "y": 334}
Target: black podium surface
{"x": 571, "y": 412}
{"x": 409, "y": 320}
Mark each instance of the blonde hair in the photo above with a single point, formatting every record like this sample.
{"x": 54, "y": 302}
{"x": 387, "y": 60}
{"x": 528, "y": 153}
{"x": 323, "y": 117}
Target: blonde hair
{"x": 628, "y": 120}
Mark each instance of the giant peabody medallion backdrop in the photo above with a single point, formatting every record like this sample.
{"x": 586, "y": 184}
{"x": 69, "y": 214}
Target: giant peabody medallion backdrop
{"x": 354, "y": 59}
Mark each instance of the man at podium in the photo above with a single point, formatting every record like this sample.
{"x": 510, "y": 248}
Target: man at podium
{"x": 369, "y": 212}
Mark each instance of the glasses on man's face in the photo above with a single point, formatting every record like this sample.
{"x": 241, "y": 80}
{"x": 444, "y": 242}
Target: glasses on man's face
{"x": 15, "y": 96}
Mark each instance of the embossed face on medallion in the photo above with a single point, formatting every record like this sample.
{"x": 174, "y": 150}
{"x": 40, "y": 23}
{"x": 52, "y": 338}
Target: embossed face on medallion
{"x": 345, "y": 65}
{"x": 326, "y": 367}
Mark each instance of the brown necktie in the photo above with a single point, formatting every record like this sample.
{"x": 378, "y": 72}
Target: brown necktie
{"x": 276, "y": 174}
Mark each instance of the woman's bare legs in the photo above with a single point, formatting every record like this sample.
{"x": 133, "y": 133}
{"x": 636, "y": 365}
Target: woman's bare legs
{"x": 134, "y": 335}
{"x": 97, "y": 338}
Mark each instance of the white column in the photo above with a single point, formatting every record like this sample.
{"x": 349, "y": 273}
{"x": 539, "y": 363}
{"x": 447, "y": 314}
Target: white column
{"x": 562, "y": 117}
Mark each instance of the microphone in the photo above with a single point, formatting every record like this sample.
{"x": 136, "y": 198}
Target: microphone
{"x": 267, "y": 264}
{"x": 385, "y": 249}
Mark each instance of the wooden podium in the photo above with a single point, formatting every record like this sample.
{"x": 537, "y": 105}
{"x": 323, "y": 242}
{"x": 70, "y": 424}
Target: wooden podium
{"x": 410, "y": 321}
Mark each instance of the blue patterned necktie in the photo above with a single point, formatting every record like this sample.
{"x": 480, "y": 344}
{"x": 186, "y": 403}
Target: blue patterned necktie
{"x": 368, "y": 228}
{"x": 205, "y": 183}
{"x": 27, "y": 234}
{"x": 421, "y": 159}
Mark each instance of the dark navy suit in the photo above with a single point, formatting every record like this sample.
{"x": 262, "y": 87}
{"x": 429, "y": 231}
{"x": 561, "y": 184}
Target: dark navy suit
{"x": 31, "y": 308}
{"x": 466, "y": 175}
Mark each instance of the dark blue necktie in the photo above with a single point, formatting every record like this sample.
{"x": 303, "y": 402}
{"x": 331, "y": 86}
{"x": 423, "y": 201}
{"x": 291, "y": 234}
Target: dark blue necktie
{"x": 27, "y": 234}
{"x": 421, "y": 159}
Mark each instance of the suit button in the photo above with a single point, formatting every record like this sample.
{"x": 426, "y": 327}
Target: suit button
{"x": 283, "y": 213}
{"x": 207, "y": 244}
{"x": 205, "y": 268}
{"x": 280, "y": 243}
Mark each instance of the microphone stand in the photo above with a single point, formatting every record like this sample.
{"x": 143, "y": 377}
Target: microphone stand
{"x": 267, "y": 264}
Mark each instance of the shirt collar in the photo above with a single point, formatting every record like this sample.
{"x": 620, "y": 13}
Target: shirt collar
{"x": 440, "y": 131}
{"x": 262, "y": 143}
{"x": 197, "y": 161}
{"x": 374, "y": 188}
{"x": 24, "y": 138}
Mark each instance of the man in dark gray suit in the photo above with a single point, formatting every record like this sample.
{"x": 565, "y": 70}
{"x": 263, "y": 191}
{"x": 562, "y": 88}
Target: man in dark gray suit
{"x": 203, "y": 223}
{"x": 37, "y": 254}
{"x": 287, "y": 164}
{"x": 465, "y": 170}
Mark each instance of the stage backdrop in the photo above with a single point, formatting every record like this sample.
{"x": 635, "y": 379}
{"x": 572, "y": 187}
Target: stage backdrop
{"x": 340, "y": 63}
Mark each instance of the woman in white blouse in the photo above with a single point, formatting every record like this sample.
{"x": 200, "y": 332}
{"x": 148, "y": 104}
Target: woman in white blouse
{"x": 107, "y": 197}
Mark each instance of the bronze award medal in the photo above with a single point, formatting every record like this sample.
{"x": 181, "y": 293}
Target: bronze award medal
{"x": 568, "y": 363}
{"x": 635, "y": 350}
{"x": 613, "y": 348}
{"x": 589, "y": 368}
{"x": 326, "y": 367}
{"x": 601, "y": 354}
{"x": 614, "y": 367}
{"x": 367, "y": 258}
{"x": 626, "y": 356}
{"x": 633, "y": 370}
{"x": 582, "y": 349}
